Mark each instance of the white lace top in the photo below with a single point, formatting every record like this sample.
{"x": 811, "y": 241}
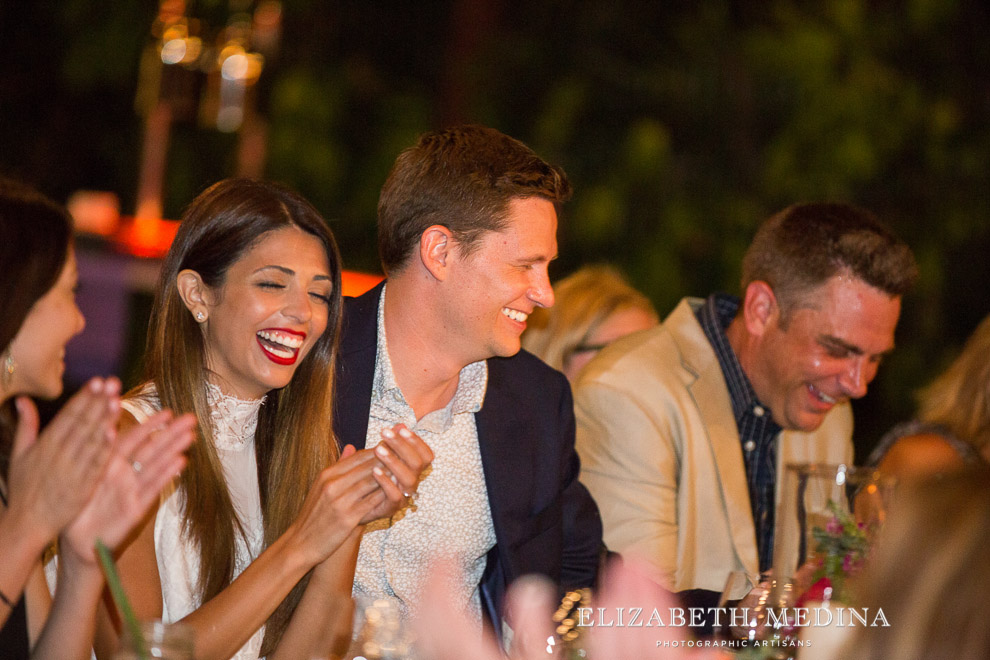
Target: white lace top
{"x": 234, "y": 422}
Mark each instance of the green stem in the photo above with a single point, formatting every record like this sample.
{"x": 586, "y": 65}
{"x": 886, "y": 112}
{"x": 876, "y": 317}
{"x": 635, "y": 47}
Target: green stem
{"x": 120, "y": 599}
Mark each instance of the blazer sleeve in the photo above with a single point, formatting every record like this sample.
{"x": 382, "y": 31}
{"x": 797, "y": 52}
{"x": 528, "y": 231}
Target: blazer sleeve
{"x": 630, "y": 462}
{"x": 582, "y": 524}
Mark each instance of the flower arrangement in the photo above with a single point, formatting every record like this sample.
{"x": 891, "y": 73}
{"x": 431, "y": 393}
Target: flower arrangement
{"x": 842, "y": 546}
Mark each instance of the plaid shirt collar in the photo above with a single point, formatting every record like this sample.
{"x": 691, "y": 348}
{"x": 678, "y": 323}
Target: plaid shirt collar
{"x": 715, "y": 316}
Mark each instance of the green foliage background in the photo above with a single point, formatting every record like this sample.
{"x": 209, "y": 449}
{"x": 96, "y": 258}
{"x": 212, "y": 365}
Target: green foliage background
{"x": 681, "y": 124}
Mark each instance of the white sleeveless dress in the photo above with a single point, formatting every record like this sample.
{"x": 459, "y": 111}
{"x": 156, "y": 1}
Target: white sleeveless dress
{"x": 234, "y": 422}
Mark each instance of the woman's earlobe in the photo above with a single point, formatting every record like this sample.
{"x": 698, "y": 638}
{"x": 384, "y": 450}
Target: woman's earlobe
{"x": 194, "y": 294}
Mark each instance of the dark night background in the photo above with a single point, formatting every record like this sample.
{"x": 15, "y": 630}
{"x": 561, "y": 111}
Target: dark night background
{"x": 681, "y": 124}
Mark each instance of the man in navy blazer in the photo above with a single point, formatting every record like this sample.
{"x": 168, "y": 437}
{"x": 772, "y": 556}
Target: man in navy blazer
{"x": 467, "y": 227}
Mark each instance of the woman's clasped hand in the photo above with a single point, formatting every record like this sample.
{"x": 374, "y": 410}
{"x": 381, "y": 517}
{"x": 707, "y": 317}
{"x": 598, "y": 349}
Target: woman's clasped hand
{"x": 53, "y": 474}
{"x": 360, "y": 487}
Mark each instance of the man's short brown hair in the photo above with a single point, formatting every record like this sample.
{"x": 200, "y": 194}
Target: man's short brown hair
{"x": 799, "y": 248}
{"x": 462, "y": 178}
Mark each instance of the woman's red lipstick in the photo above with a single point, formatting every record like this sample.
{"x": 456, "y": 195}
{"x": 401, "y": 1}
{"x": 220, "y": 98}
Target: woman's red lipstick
{"x": 281, "y": 345}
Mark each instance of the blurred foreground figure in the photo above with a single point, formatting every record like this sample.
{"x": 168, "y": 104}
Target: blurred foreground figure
{"x": 929, "y": 573}
{"x": 78, "y": 480}
{"x": 683, "y": 429}
{"x": 953, "y": 425}
{"x": 594, "y": 307}
{"x": 445, "y": 632}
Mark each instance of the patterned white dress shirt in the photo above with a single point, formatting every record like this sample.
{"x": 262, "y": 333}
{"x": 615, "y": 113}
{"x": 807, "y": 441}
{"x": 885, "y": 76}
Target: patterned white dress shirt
{"x": 449, "y": 516}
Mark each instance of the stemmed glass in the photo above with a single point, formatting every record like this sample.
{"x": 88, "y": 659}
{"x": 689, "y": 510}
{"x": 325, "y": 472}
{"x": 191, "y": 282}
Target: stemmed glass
{"x": 746, "y": 606}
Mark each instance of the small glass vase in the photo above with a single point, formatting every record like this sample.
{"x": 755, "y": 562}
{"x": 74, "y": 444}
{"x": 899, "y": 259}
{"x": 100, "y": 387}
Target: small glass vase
{"x": 380, "y": 633}
{"x": 827, "y": 520}
{"x": 160, "y": 641}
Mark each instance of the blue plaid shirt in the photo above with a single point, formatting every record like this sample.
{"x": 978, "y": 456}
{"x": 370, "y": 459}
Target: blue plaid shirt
{"x": 757, "y": 430}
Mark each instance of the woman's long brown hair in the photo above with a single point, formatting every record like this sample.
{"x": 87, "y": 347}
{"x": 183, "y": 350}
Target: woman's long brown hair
{"x": 35, "y": 235}
{"x": 294, "y": 440}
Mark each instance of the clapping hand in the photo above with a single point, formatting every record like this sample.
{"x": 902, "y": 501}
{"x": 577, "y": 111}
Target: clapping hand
{"x": 403, "y": 456}
{"x": 53, "y": 475}
{"x": 145, "y": 458}
{"x": 444, "y": 631}
{"x": 631, "y": 583}
{"x": 356, "y": 489}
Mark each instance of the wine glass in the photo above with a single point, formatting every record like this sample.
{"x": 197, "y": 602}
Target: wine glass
{"x": 167, "y": 641}
{"x": 744, "y": 604}
{"x": 381, "y": 633}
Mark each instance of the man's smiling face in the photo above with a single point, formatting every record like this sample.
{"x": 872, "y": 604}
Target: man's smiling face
{"x": 500, "y": 281}
{"x": 826, "y": 353}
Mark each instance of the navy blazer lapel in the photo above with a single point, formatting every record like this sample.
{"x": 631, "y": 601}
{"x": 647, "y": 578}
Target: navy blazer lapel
{"x": 504, "y": 461}
{"x": 355, "y": 371}
{"x": 495, "y": 455}
{"x": 507, "y": 448}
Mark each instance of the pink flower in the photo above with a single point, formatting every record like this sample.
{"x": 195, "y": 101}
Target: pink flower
{"x": 851, "y": 563}
{"x": 834, "y": 526}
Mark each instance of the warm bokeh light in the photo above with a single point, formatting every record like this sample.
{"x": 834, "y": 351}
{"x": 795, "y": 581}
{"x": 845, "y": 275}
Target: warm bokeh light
{"x": 236, "y": 64}
{"x": 146, "y": 237}
{"x": 94, "y": 211}
{"x": 354, "y": 284}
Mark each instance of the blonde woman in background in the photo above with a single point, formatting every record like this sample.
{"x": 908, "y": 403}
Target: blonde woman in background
{"x": 594, "y": 307}
{"x": 953, "y": 425}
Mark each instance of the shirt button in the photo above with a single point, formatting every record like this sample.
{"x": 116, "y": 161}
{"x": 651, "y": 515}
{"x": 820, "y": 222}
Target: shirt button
{"x": 749, "y": 445}
{"x": 759, "y": 410}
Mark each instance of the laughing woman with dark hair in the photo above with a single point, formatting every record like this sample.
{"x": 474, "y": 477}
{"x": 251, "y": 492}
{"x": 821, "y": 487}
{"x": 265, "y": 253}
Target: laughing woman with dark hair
{"x": 262, "y": 529}
{"x": 76, "y": 480}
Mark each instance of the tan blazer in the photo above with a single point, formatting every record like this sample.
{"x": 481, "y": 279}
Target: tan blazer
{"x": 660, "y": 453}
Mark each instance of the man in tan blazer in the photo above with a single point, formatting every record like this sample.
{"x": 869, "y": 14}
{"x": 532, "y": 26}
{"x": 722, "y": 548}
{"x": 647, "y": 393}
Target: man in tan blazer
{"x": 684, "y": 429}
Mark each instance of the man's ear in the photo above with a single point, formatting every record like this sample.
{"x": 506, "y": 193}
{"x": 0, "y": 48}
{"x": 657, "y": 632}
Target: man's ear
{"x": 195, "y": 294}
{"x": 759, "y": 307}
{"x": 436, "y": 248}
